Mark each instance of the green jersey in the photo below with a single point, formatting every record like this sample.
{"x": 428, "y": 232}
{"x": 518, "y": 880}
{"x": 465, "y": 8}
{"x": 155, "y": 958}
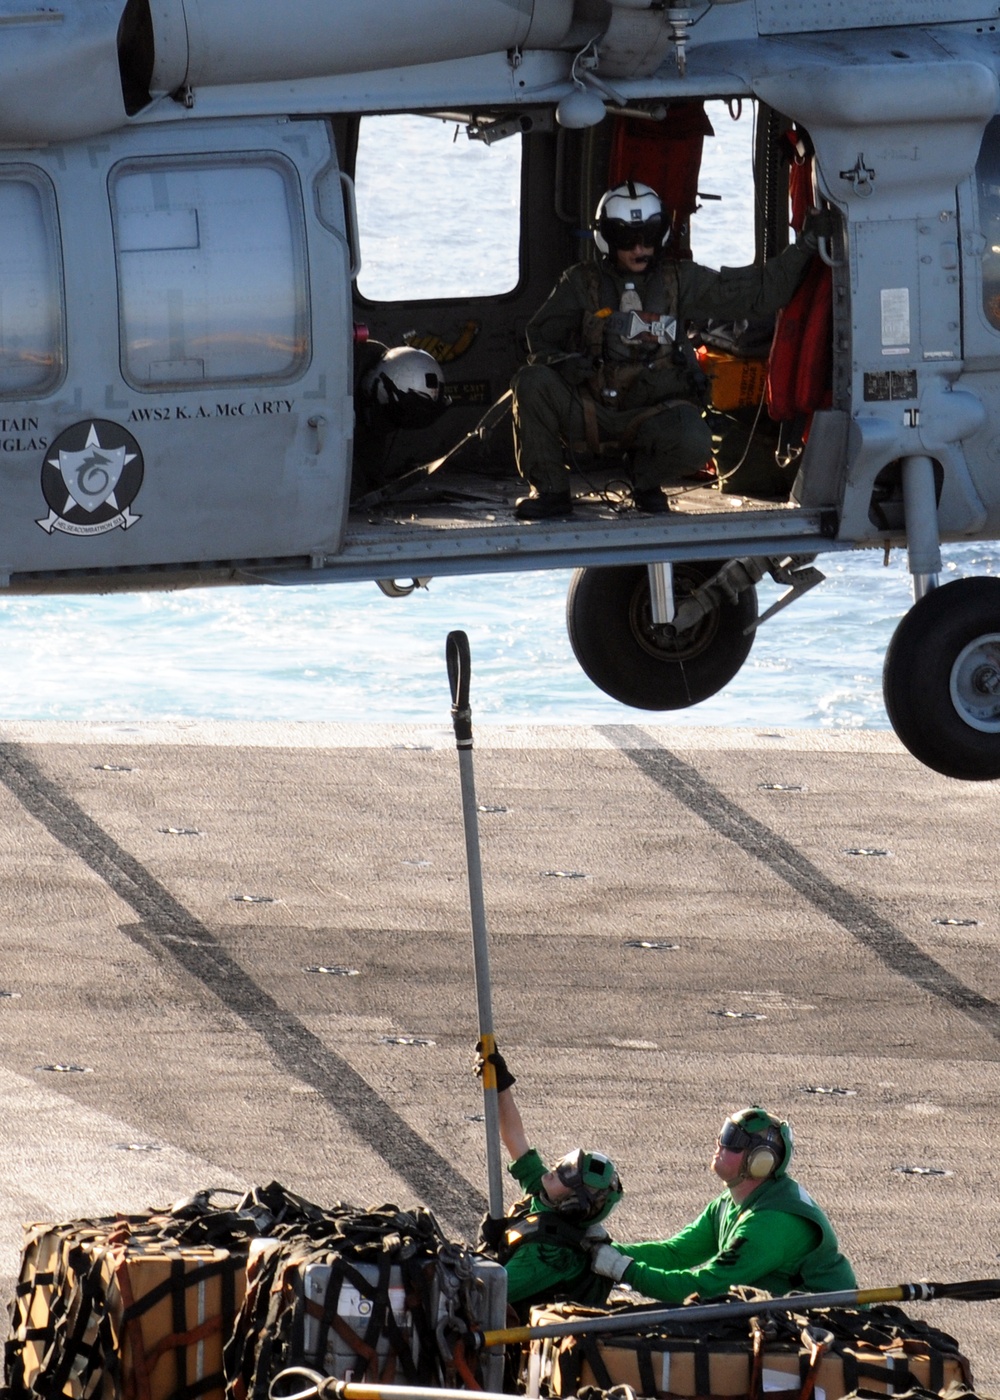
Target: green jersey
{"x": 777, "y": 1239}
{"x": 545, "y": 1258}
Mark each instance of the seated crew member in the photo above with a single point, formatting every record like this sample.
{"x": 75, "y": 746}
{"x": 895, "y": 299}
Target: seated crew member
{"x": 764, "y": 1230}
{"x": 585, "y": 380}
{"x": 544, "y": 1239}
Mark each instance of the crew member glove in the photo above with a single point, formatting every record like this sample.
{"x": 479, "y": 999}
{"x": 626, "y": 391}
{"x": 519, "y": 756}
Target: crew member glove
{"x": 492, "y": 1231}
{"x": 606, "y": 1261}
{"x": 504, "y": 1077}
{"x": 819, "y": 223}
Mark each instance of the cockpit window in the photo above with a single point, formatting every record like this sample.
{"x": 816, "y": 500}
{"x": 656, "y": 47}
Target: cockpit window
{"x": 439, "y": 214}
{"x": 211, "y": 271}
{"x": 32, "y": 339}
{"x": 988, "y": 182}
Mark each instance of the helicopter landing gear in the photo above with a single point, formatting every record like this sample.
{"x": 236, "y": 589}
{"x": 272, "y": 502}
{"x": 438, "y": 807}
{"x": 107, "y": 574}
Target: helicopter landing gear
{"x": 941, "y": 679}
{"x": 649, "y": 665}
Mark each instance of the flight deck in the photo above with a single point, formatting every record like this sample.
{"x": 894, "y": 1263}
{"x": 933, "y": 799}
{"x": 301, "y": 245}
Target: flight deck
{"x": 237, "y": 953}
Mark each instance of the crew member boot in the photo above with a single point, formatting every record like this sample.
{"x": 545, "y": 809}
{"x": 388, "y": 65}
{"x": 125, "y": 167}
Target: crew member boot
{"x": 650, "y": 499}
{"x": 544, "y": 505}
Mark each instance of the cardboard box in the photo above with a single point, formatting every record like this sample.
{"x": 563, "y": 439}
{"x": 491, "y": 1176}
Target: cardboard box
{"x": 105, "y": 1315}
{"x": 657, "y": 1366}
{"x": 682, "y": 1368}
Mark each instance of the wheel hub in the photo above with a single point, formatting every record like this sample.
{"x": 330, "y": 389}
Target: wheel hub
{"x": 986, "y": 679}
{"x": 975, "y": 684}
{"x": 663, "y": 640}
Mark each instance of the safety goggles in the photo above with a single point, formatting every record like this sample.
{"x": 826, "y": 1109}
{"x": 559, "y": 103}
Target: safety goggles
{"x": 734, "y": 1138}
{"x": 623, "y": 236}
{"x": 570, "y": 1169}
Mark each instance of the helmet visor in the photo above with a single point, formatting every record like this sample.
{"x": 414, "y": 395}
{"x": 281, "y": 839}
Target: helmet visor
{"x": 622, "y": 234}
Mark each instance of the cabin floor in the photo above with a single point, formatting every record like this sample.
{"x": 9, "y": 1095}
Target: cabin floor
{"x": 474, "y": 496}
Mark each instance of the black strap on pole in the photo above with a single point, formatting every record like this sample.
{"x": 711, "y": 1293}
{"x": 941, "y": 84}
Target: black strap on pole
{"x": 459, "y": 659}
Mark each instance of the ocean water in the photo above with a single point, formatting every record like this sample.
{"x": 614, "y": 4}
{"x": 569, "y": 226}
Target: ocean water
{"x": 345, "y": 652}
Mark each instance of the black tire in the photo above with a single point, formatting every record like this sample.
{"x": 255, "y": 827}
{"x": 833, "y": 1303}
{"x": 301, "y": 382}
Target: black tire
{"x": 609, "y": 619}
{"x": 938, "y": 678}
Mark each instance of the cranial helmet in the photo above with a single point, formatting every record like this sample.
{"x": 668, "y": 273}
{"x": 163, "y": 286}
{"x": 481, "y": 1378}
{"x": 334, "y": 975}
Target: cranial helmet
{"x": 595, "y": 1184}
{"x": 766, "y": 1140}
{"x": 627, "y": 215}
{"x": 407, "y": 386}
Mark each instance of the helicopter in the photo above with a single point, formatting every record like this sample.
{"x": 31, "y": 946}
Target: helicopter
{"x": 188, "y": 354}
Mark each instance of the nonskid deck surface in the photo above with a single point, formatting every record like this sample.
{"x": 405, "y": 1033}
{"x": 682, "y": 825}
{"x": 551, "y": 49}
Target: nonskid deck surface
{"x": 681, "y": 922}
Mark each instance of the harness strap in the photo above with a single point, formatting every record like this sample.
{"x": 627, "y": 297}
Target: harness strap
{"x": 627, "y": 439}
{"x": 590, "y": 427}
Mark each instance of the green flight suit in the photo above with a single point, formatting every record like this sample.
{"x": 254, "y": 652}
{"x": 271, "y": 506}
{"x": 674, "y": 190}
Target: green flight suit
{"x": 549, "y": 390}
{"x": 777, "y": 1239}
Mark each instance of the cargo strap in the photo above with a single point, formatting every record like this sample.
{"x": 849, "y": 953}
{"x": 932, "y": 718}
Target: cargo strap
{"x": 816, "y": 1343}
{"x": 756, "y": 1388}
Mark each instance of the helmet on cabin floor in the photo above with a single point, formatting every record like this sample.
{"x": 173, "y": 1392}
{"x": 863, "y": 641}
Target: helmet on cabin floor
{"x": 594, "y": 1182}
{"x": 628, "y": 215}
{"x": 766, "y": 1140}
{"x": 406, "y": 387}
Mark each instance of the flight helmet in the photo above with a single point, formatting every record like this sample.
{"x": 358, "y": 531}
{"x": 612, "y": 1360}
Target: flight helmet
{"x": 407, "y": 387}
{"x": 595, "y": 1184}
{"x": 627, "y": 215}
{"x": 766, "y": 1140}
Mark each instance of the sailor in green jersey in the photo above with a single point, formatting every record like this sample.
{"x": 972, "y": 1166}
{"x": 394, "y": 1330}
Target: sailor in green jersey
{"x": 545, "y": 1238}
{"x": 764, "y": 1230}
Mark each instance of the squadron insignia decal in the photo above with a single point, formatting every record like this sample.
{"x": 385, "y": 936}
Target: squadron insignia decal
{"x": 90, "y": 478}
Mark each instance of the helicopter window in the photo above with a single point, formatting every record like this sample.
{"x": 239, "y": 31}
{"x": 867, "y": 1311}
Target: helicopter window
{"x": 430, "y": 204}
{"x": 988, "y": 182}
{"x": 31, "y": 304}
{"x": 211, "y": 271}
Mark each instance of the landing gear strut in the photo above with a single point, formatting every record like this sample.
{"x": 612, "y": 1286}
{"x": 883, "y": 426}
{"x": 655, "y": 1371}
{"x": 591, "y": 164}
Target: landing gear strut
{"x": 651, "y": 666}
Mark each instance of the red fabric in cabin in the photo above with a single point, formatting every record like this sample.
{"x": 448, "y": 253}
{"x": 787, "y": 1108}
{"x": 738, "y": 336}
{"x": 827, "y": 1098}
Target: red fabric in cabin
{"x": 665, "y": 155}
